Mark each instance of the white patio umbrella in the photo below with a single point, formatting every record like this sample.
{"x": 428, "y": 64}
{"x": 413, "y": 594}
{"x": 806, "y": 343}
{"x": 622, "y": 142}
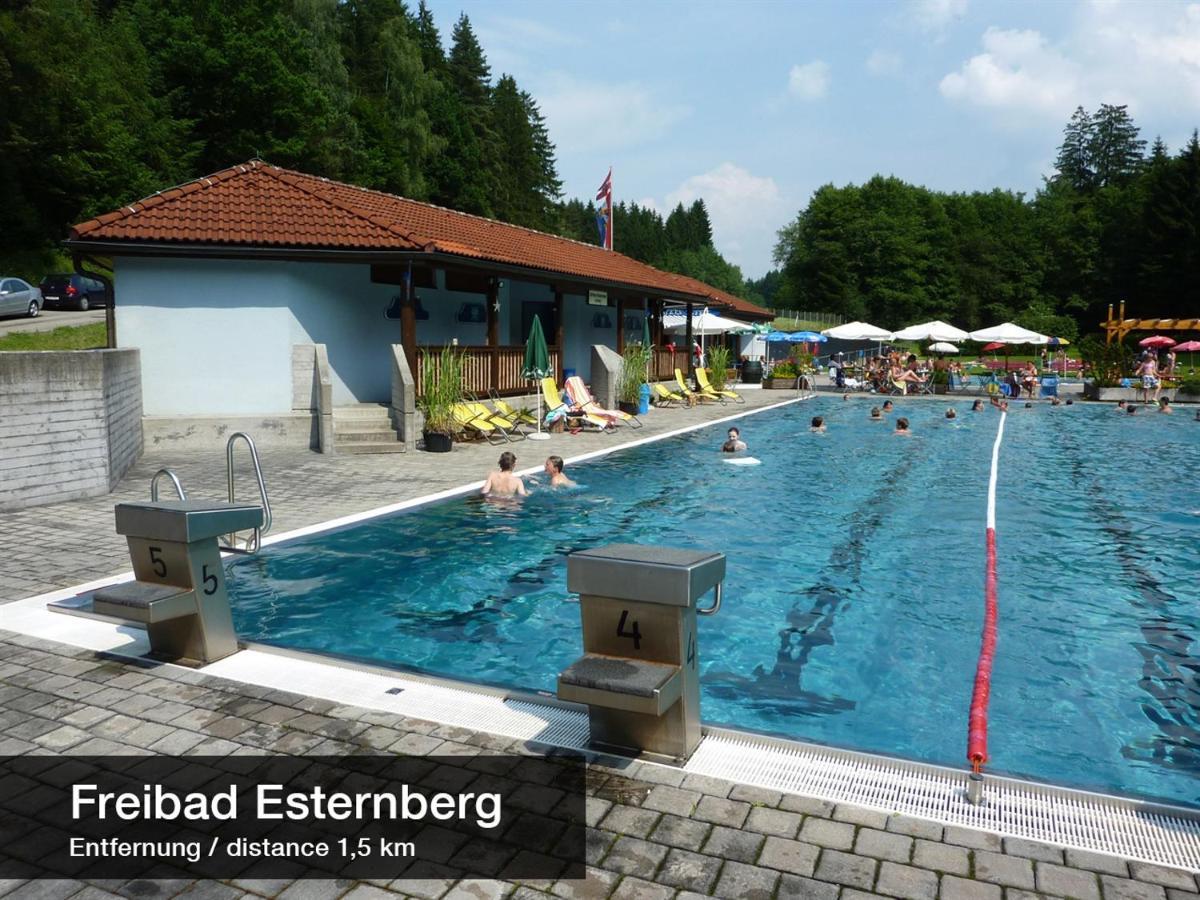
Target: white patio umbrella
{"x": 707, "y": 323}
{"x": 857, "y": 331}
{"x": 931, "y": 331}
{"x": 1008, "y": 333}
{"x": 942, "y": 347}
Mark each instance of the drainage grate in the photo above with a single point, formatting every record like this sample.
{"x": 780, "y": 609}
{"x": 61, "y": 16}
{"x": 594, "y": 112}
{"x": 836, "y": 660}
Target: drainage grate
{"x": 1114, "y": 825}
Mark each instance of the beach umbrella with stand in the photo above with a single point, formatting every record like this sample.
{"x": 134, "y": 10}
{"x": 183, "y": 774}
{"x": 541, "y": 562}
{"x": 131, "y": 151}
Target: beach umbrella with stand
{"x": 1157, "y": 342}
{"x": 537, "y": 367}
{"x": 859, "y": 331}
{"x": 942, "y": 347}
{"x": 1006, "y": 334}
{"x": 931, "y": 331}
{"x": 775, "y": 337}
{"x": 1055, "y": 343}
{"x": 1188, "y": 347}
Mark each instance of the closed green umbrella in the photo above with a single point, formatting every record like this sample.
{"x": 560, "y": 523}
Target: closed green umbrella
{"x": 537, "y": 366}
{"x": 646, "y": 331}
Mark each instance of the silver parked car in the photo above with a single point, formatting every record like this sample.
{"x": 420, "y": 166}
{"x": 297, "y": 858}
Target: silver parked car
{"x": 18, "y": 298}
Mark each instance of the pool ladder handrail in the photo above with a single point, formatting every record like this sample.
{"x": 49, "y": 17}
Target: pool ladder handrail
{"x": 805, "y": 388}
{"x": 254, "y": 541}
{"x": 174, "y": 480}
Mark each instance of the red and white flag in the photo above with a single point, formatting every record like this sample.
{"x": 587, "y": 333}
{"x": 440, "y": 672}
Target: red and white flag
{"x": 604, "y": 218}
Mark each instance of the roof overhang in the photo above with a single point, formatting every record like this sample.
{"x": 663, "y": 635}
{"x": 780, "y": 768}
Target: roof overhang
{"x": 344, "y": 255}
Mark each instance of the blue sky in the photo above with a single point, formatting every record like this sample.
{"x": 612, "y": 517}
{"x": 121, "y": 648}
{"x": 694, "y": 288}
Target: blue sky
{"x": 755, "y": 104}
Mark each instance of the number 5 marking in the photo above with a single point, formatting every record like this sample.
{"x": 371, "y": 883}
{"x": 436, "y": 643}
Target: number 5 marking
{"x": 209, "y": 577}
{"x": 156, "y": 561}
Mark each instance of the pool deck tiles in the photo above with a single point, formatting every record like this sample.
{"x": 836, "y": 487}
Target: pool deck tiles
{"x": 647, "y": 836}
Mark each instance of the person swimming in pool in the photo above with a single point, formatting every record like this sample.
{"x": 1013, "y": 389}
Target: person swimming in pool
{"x": 977, "y": 406}
{"x": 734, "y": 442}
{"x": 503, "y": 483}
{"x": 818, "y": 425}
{"x": 554, "y": 468}
{"x": 902, "y": 427}
{"x": 951, "y": 413}
{"x": 876, "y": 414}
{"x": 887, "y": 405}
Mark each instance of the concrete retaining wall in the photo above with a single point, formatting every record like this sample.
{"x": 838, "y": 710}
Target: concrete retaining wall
{"x": 70, "y": 424}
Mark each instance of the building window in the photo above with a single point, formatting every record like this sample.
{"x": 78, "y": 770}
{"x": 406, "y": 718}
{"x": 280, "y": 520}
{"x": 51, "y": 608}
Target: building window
{"x": 472, "y": 312}
{"x": 601, "y": 320}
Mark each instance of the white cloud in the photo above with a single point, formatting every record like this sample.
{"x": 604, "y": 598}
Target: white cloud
{"x": 809, "y": 81}
{"x": 937, "y": 15}
{"x": 1017, "y": 69}
{"x": 883, "y": 62}
{"x": 745, "y": 210}
{"x": 1141, "y": 54}
{"x": 602, "y": 115}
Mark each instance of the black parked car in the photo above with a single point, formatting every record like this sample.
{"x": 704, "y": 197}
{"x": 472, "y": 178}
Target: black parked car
{"x": 72, "y": 292}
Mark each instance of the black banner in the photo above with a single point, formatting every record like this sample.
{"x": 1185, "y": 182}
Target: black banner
{"x": 291, "y": 817}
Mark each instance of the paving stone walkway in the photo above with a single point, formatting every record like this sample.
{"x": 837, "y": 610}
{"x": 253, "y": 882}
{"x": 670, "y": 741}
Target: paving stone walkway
{"x": 47, "y": 547}
{"x": 653, "y": 832}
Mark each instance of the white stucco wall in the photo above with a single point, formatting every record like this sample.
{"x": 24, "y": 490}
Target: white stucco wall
{"x": 216, "y": 336}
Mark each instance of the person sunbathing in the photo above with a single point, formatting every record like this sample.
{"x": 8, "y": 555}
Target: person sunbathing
{"x": 503, "y": 483}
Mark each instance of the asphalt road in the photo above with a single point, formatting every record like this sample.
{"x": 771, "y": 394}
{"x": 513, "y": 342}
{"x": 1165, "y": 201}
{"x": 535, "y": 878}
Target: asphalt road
{"x": 48, "y": 320}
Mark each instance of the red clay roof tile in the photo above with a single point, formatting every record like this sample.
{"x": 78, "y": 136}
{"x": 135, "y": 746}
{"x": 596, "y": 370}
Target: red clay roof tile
{"x": 261, "y": 205}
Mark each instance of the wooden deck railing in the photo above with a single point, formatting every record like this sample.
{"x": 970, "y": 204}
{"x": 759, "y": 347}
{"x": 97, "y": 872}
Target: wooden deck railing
{"x": 486, "y": 368}
{"x": 667, "y": 362}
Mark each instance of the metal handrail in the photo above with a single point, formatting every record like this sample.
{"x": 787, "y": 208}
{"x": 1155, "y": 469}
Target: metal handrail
{"x": 174, "y": 480}
{"x": 718, "y": 591}
{"x": 254, "y": 542}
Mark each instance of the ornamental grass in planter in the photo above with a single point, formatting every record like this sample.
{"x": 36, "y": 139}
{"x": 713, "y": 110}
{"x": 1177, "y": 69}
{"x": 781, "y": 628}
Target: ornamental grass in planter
{"x": 635, "y": 363}
{"x": 441, "y": 391}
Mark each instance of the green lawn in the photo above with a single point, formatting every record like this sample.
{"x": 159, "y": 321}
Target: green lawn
{"x": 70, "y": 337}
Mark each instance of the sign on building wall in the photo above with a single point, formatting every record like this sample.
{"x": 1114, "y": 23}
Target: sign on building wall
{"x": 598, "y": 298}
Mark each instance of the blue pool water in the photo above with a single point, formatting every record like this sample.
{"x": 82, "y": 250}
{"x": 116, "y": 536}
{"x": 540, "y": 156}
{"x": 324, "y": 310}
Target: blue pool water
{"x": 854, "y": 597}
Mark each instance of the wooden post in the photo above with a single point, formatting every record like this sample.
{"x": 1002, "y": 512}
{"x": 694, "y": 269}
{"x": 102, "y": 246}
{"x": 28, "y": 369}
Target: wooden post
{"x": 408, "y": 329}
{"x": 493, "y": 329}
{"x": 559, "y": 332}
{"x": 620, "y": 325}
{"x": 688, "y": 341}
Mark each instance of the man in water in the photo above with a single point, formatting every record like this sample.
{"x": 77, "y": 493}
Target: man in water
{"x": 876, "y": 415}
{"x": 887, "y": 405}
{"x": 818, "y": 425}
{"x": 504, "y": 483}
{"x": 902, "y": 427}
{"x": 1131, "y": 408}
{"x": 1164, "y": 406}
{"x": 951, "y": 413}
{"x": 734, "y": 443}
{"x": 554, "y": 468}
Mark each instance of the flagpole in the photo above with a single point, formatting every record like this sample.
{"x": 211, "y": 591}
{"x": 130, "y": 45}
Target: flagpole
{"x": 610, "y": 212}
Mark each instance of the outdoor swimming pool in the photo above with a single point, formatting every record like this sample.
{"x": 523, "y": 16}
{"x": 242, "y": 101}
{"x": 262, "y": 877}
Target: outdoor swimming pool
{"x": 854, "y": 597}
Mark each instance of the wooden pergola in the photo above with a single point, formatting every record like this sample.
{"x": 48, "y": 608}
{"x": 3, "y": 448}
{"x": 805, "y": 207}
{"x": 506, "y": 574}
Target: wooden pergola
{"x": 1117, "y": 327}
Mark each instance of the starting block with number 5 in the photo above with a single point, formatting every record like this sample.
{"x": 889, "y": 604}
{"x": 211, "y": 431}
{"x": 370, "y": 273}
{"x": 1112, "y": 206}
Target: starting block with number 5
{"x": 179, "y": 594}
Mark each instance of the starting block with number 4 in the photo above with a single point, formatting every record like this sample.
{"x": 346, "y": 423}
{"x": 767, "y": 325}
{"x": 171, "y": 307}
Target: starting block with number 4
{"x": 179, "y": 594}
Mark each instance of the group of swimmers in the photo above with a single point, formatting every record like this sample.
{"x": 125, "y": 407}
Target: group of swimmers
{"x": 1163, "y": 405}
{"x": 504, "y": 482}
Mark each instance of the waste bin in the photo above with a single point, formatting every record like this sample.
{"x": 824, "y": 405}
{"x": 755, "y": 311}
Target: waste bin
{"x": 643, "y": 399}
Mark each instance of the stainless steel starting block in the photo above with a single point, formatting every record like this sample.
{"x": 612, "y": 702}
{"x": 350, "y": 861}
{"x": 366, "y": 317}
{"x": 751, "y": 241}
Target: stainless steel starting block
{"x": 179, "y": 594}
{"x": 640, "y": 674}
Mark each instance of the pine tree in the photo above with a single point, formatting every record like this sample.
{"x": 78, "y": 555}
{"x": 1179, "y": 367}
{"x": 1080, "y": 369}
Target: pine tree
{"x": 701, "y": 227}
{"x": 1114, "y": 148}
{"x": 1074, "y": 154}
{"x": 468, "y": 178}
{"x": 433, "y": 57}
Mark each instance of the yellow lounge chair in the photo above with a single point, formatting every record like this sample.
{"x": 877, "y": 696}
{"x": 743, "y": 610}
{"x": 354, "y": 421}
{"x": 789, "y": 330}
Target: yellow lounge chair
{"x": 697, "y": 395}
{"x": 665, "y": 397}
{"x": 506, "y": 409}
{"x": 705, "y": 384}
{"x": 582, "y": 398}
{"x": 470, "y": 422}
{"x": 556, "y": 408}
{"x": 506, "y": 426}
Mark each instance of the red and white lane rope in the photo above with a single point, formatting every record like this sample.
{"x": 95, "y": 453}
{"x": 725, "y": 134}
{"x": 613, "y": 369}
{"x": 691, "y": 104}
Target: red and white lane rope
{"x": 977, "y": 725}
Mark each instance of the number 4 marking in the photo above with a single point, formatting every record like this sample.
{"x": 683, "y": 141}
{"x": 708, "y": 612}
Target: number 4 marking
{"x": 635, "y": 634}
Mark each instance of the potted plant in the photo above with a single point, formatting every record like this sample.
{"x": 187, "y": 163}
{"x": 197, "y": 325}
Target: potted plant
{"x": 782, "y": 376}
{"x": 718, "y": 367}
{"x": 441, "y": 389}
{"x": 635, "y": 361}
